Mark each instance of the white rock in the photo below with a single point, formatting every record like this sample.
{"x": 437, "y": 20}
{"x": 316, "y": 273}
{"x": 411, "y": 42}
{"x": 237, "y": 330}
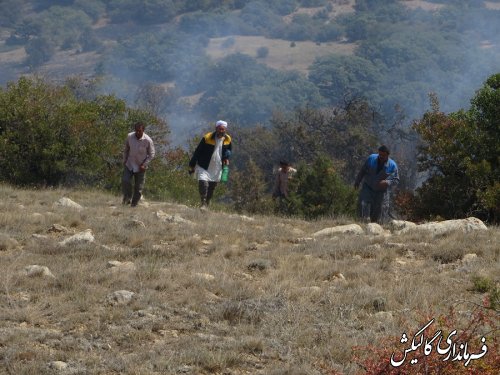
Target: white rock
{"x": 205, "y": 276}
{"x": 66, "y": 202}
{"x": 401, "y": 225}
{"x": 58, "y": 365}
{"x": 442, "y": 227}
{"x": 469, "y": 258}
{"x": 375, "y": 229}
{"x": 36, "y": 270}
{"x": 120, "y": 297}
{"x": 172, "y": 218}
{"x": 117, "y": 266}
{"x": 341, "y": 229}
{"x": 85, "y": 236}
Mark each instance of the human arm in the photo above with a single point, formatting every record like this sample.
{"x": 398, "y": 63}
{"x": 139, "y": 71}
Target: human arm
{"x": 126, "y": 151}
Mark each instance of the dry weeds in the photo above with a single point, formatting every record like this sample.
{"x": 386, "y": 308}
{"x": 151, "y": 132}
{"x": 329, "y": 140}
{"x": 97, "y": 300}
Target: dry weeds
{"x": 224, "y": 295}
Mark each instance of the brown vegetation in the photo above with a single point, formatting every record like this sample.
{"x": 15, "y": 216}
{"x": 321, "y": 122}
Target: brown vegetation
{"x": 217, "y": 293}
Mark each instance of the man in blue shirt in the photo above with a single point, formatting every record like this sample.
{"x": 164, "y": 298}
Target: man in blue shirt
{"x": 379, "y": 174}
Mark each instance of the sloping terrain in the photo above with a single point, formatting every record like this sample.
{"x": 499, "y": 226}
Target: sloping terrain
{"x": 100, "y": 288}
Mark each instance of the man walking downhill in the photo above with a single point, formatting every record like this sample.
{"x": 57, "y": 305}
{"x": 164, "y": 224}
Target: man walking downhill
{"x": 380, "y": 174}
{"x": 138, "y": 152}
{"x": 213, "y": 151}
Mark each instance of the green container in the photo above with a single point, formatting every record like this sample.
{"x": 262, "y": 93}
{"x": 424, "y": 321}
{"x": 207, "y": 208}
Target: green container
{"x": 225, "y": 174}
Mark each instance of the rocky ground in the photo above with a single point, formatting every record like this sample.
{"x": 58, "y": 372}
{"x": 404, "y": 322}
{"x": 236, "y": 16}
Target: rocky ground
{"x": 89, "y": 286}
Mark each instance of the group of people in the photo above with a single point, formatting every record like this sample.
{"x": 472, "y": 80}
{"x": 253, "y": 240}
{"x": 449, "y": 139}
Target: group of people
{"x": 378, "y": 175}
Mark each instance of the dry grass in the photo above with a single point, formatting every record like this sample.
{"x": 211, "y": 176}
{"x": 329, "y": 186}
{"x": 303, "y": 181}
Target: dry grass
{"x": 281, "y": 55}
{"x": 225, "y": 295}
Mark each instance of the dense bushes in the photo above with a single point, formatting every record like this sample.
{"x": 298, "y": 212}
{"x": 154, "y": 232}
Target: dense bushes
{"x": 49, "y": 137}
{"x": 461, "y": 153}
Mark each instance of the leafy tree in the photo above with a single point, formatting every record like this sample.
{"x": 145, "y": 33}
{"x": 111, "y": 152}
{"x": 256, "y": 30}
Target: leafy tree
{"x": 49, "y": 137}
{"x": 248, "y": 92}
{"x": 342, "y": 133}
{"x": 460, "y": 152}
{"x": 337, "y": 75}
{"x": 11, "y": 12}
{"x": 247, "y": 189}
{"x": 318, "y": 190}
{"x": 39, "y": 51}
{"x": 143, "y": 11}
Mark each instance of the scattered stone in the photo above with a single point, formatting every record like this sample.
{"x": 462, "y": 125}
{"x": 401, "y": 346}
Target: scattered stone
{"x": 242, "y": 217}
{"x": 82, "y": 237}
{"x": 401, "y": 226}
{"x": 443, "y": 227}
{"x": 57, "y": 228}
{"x": 38, "y": 271}
{"x": 243, "y": 275}
{"x": 341, "y": 229}
{"x": 172, "y": 218}
{"x": 40, "y": 236}
{"x": 58, "y": 365}
{"x": 120, "y": 297}
{"x": 7, "y": 243}
{"x": 374, "y": 247}
{"x": 136, "y": 224}
{"x": 205, "y": 276}
{"x": 117, "y": 266}
{"x": 66, "y": 202}
{"x": 384, "y": 315}
{"x": 375, "y": 229}
{"x": 302, "y": 240}
{"x": 259, "y": 264}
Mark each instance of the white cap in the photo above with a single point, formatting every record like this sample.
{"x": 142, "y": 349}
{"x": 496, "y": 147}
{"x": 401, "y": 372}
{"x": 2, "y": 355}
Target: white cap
{"x": 221, "y": 123}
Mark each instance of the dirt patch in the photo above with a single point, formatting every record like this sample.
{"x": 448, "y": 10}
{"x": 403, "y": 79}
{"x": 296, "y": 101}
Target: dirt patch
{"x": 414, "y": 4}
{"x": 281, "y": 55}
{"x": 338, "y": 7}
{"x": 70, "y": 63}
{"x": 492, "y": 5}
{"x": 13, "y": 57}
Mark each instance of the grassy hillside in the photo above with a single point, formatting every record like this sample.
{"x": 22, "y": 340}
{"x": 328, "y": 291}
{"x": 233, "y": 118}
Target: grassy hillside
{"x": 215, "y": 293}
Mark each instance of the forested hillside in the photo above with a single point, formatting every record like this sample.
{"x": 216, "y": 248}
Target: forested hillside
{"x": 389, "y": 51}
{"x": 339, "y": 76}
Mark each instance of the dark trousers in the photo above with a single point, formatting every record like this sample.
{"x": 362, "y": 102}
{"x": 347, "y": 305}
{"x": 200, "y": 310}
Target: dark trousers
{"x": 374, "y": 205}
{"x": 139, "y": 179}
{"x": 206, "y": 189}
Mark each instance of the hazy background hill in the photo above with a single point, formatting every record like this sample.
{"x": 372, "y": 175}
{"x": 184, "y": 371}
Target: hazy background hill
{"x": 242, "y": 60}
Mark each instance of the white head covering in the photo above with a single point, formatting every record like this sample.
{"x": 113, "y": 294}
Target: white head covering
{"x": 221, "y": 123}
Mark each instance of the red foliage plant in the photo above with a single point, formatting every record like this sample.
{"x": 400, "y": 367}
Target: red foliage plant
{"x": 480, "y": 335}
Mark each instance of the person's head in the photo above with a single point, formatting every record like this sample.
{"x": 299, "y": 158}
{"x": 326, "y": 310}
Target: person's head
{"x": 220, "y": 128}
{"x": 383, "y": 153}
{"x": 284, "y": 165}
{"x": 139, "y": 130}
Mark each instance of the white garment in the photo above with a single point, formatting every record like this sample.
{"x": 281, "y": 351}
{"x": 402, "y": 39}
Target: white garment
{"x": 214, "y": 171}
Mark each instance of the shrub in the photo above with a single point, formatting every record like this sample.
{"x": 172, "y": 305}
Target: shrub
{"x": 482, "y": 322}
{"x": 317, "y": 190}
{"x": 262, "y": 52}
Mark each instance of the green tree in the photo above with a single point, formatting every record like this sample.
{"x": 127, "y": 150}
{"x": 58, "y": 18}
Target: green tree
{"x": 317, "y": 190}
{"x": 49, "y": 137}
{"x": 247, "y": 189}
{"x": 461, "y": 154}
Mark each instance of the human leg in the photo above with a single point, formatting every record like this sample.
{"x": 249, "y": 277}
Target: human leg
{"x": 210, "y": 191}
{"x": 139, "y": 179}
{"x": 127, "y": 185}
{"x": 203, "y": 190}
